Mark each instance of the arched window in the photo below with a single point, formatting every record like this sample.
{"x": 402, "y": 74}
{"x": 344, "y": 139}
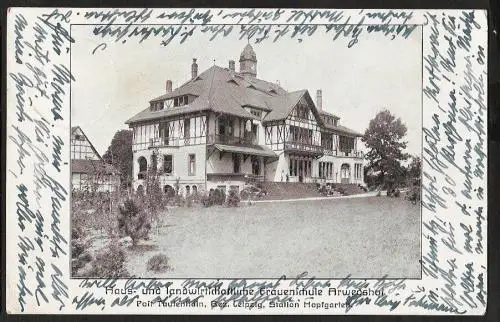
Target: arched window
{"x": 169, "y": 190}
{"x": 195, "y": 190}
{"x": 143, "y": 167}
{"x": 188, "y": 190}
{"x": 140, "y": 190}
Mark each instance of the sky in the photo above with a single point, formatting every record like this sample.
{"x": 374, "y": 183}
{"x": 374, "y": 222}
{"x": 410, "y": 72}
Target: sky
{"x": 377, "y": 73}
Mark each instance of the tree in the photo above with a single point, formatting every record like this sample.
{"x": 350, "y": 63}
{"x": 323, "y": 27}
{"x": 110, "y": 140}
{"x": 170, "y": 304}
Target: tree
{"x": 133, "y": 221}
{"x": 414, "y": 169}
{"x": 120, "y": 154}
{"x": 385, "y": 140}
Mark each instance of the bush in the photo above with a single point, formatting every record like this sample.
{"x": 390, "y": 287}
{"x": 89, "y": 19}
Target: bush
{"x": 245, "y": 194}
{"x": 341, "y": 191}
{"x": 207, "y": 200}
{"x": 413, "y": 195}
{"x": 219, "y": 196}
{"x": 79, "y": 256}
{"x": 158, "y": 263}
{"x": 109, "y": 263}
{"x": 133, "y": 221}
{"x": 322, "y": 190}
{"x": 233, "y": 200}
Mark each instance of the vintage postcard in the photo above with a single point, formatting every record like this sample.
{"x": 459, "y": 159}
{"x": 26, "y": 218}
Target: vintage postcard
{"x": 246, "y": 161}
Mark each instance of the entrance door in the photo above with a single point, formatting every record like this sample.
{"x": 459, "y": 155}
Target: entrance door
{"x": 345, "y": 173}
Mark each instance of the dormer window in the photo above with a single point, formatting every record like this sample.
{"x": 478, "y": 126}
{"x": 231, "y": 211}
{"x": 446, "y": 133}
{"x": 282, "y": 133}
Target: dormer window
{"x": 255, "y": 112}
{"x": 156, "y": 106}
{"x": 181, "y": 100}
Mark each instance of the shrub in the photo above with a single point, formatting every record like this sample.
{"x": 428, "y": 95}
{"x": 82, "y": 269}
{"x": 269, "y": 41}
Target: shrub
{"x": 133, "y": 222}
{"x": 109, "y": 263}
{"x": 341, "y": 190}
{"x": 322, "y": 190}
{"x": 413, "y": 195}
{"x": 233, "y": 200}
{"x": 206, "y": 200}
{"x": 245, "y": 194}
{"x": 158, "y": 263}
{"x": 397, "y": 193}
{"x": 79, "y": 256}
{"x": 219, "y": 196}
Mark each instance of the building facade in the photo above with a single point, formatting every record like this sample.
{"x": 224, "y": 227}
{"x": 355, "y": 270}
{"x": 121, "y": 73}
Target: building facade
{"x": 88, "y": 171}
{"x": 223, "y": 128}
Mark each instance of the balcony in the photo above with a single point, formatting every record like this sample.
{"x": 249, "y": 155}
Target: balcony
{"x": 350, "y": 154}
{"x": 308, "y": 148}
{"x": 163, "y": 142}
{"x": 230, "y": 140}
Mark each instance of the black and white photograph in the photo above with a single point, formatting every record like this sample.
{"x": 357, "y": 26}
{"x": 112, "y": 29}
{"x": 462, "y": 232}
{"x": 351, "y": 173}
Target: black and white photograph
{"x": 233, "y": 158}
{"x": 246, "y": 161}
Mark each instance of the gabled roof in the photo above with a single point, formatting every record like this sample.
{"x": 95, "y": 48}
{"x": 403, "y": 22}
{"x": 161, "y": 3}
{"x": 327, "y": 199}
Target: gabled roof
{"x": 328, "y": 114}
{"x": 342, "y": 129}
{"x": 221, "y": 90}
{"x": 78, "y": 128}
{"x": 90, "y": 166}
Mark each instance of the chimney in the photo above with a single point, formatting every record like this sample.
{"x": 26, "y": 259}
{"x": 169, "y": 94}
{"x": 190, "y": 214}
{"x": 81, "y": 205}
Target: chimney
{"x": 168, "y": 86}
{"x": 194, "y": 69}
{"x": 231, "y": 65}
{"x": 319, "y": 100}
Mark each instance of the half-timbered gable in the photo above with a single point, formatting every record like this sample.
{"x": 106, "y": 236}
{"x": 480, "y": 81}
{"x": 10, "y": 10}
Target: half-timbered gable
{"x": 88, "y": 171}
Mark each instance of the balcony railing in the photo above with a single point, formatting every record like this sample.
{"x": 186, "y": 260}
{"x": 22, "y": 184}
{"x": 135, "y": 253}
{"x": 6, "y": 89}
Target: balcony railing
{"x": 337, "y": 153}
{"x": 231, "y": 140}
{"x": 163, "y": 142}
{"x": 301, "y": 146}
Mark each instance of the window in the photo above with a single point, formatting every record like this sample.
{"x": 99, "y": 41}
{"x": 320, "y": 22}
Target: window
{"x": 256, "y": 112}
{"x": 181, "y": 100}
{"x": 236, "y": 163}
{"x": 254, "y": 132}
{"x": 255, "y": 165}
{"x": 302, "y": 112}
{"x": 164, "y": 132}
{"x": 187, "y": 128}
{"x": 234, "y": 188}
{"x": 192, "y": 165}
{"x": 168, "y": 190}
{"x": 188, "y": 190}
{"x": 143, "y": 167}
{"x": 167, "y": 164}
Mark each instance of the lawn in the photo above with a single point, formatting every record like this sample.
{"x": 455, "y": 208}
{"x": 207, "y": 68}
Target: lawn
{"x": 364, "y": 237}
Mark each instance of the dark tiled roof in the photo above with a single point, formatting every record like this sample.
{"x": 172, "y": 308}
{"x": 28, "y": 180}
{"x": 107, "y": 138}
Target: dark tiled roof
{"x": 92, "y": 166}
{"x": 250, "y": 150}
{"x": 328, "y": 114}
{"x": 222, "y": 90}
{"x": 342, "y": 129}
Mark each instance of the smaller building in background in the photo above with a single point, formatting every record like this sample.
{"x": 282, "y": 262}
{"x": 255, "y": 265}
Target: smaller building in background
{"x": 88, "y": 171}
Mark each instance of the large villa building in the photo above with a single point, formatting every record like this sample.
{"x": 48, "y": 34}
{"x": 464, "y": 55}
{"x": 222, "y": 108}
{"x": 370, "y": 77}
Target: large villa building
{"x": 222, "y": 128}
